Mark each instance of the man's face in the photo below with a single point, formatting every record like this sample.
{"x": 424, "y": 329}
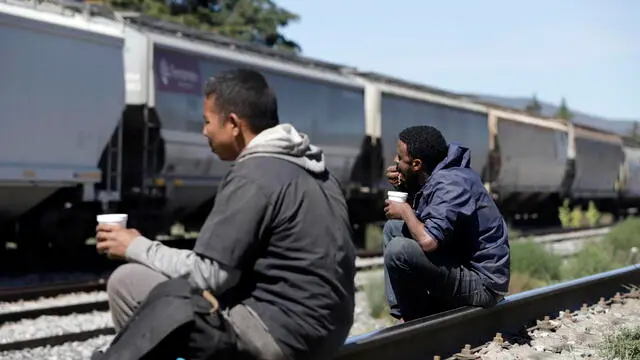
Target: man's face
{"x": 222, "y": 131}
{"x": 408, "y": 167}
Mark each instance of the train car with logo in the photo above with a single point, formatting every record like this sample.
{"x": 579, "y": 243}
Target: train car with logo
{"x": 171, "y": 167}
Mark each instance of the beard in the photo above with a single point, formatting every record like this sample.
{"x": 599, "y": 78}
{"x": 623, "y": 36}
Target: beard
{"x": 410, "y": 182}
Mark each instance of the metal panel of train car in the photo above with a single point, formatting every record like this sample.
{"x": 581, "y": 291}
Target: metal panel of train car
{"x": 465, "y": 127}
{"x": 598, "y": 160}
{"x": 533, "y": 157}
{"x": 61, "y": 97}
{"x": 631, "y": 186}
{"x": 136, "y": 65}
{"x": 332, "y": 114}
{"x": 191, "y": 170}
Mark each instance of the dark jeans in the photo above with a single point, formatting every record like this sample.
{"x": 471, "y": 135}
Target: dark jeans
{"x": 418, "y": 284}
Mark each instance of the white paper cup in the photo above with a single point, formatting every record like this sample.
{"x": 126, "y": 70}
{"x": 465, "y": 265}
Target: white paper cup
{"x": 397, "y": 196}
{"x": 113, "y": 219}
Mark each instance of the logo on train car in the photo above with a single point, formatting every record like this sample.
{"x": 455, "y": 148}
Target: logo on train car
{"x": 176, "y": 72}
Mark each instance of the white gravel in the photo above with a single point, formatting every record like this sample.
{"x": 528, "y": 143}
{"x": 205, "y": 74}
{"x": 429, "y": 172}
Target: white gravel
{"x": 61, "y": 300}
{"x": 46, "y": 326}
{"x": 575, "y": 338}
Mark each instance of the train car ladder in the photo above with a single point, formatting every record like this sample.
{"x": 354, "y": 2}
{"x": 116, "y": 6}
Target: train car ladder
{"x": 113, "y": 168}
{"x": 150, "y": 155}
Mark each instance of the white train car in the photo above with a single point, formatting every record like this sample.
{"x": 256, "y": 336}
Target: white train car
{"x": 631, "y": 168}
{"x": 629, "y": 184}
{"x": 395, "y": 104}
{"x": 533, "y": 161}
{"x": 599, "y": 157}
{"x": 61, "y": 97}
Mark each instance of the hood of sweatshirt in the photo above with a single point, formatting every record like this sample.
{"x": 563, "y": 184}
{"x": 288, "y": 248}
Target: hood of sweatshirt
{"x": 285, "y": 142}
{"x": 458, "y": 156}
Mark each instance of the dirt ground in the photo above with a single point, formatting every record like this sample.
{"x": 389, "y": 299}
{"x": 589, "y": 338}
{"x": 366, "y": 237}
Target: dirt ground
{"x": 574, "y": 338}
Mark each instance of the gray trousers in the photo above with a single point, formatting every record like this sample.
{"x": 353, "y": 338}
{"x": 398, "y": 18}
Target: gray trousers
{"x": 419, "y": 284}
{"x": 129, "y": 285}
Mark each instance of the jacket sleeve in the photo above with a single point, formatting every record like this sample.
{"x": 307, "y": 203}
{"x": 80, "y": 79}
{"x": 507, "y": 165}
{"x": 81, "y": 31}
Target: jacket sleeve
{"x": 448, "y": 201}
{"x": 203, "y": 273}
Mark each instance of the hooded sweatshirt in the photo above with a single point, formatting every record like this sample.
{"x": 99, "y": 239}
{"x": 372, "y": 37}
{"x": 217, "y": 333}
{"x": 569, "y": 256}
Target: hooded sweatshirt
{"x": 277, "y": 240}
{"x": 286, "y": 143}
{"x": 461, "y": 216}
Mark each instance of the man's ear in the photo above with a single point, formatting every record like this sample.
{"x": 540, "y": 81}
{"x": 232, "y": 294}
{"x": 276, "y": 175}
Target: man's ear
{"x": 234, "y": 122}
{"x": 416, "y": 165}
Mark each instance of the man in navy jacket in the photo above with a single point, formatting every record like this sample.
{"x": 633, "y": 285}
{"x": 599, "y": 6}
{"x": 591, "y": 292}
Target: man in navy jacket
{"x": 448, "y": 245}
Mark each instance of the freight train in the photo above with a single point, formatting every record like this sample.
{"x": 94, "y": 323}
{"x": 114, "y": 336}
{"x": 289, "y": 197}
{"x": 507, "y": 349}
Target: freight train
{"x": 101, "y": 112}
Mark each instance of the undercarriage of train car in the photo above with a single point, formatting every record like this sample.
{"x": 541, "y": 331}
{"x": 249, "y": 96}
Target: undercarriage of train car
{"x": 55, "y": 233}
{"x": 365, "y": 198}
{"x": 146, "y": 193}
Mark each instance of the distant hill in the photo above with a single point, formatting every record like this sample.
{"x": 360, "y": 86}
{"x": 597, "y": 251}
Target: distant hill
{"x": 619, "y": 126}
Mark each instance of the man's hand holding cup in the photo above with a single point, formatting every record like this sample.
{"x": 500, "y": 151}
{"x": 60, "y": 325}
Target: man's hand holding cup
{"x": 396, "y": 205}
{"x": 112, "y": 236}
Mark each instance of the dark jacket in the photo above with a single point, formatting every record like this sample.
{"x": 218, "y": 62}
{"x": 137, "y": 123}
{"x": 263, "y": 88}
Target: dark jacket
{"x": 461, "y": 216}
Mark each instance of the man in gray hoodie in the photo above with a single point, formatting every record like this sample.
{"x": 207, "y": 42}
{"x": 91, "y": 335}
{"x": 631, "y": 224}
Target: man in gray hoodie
{"x": 276, "y": 249}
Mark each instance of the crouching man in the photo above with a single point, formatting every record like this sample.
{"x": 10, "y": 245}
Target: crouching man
{"x": 448, "y": 247}
{"x": 275, "y": 252}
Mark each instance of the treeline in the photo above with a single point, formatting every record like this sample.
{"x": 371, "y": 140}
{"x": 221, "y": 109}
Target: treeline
{"x": 256, "y": 21}
{"x": 535, "y": 108}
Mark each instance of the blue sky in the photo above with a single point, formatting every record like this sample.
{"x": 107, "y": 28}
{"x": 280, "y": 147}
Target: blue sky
{"x": 585, "y": 50}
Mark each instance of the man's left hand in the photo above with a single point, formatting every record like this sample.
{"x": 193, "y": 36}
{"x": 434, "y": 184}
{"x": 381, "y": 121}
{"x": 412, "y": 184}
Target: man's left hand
{"x": 396, "y": 210}
{"x": 114, "y": 240}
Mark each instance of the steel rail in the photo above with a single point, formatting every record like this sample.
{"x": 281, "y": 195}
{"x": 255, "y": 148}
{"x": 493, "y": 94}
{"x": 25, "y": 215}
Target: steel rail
{"x": 54, "y": 310}
{"x": 446, "y": 333}
{"x": 55, "y": 340}
{"x": 37, "y": 291}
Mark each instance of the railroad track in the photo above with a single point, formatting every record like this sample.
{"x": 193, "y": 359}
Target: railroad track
{"x": 446, "y": 334}
{"x": 461, "y": 332}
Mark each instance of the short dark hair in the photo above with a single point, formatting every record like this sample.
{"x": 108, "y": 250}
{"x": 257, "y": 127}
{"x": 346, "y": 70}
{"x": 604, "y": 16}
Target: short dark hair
{"x": 246, "y": 93}
{"x": 426, "y": 143}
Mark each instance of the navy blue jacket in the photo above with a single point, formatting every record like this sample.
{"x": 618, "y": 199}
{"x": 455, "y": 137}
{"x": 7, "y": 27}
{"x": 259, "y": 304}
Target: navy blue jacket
{"x": 458, "y": 212}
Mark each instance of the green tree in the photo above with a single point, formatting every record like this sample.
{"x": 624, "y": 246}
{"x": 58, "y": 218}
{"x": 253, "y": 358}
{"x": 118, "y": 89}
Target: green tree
{"x": 258, "y": 21}
{"x": 534, "y": 107}
{"x": 563, "y": 111}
